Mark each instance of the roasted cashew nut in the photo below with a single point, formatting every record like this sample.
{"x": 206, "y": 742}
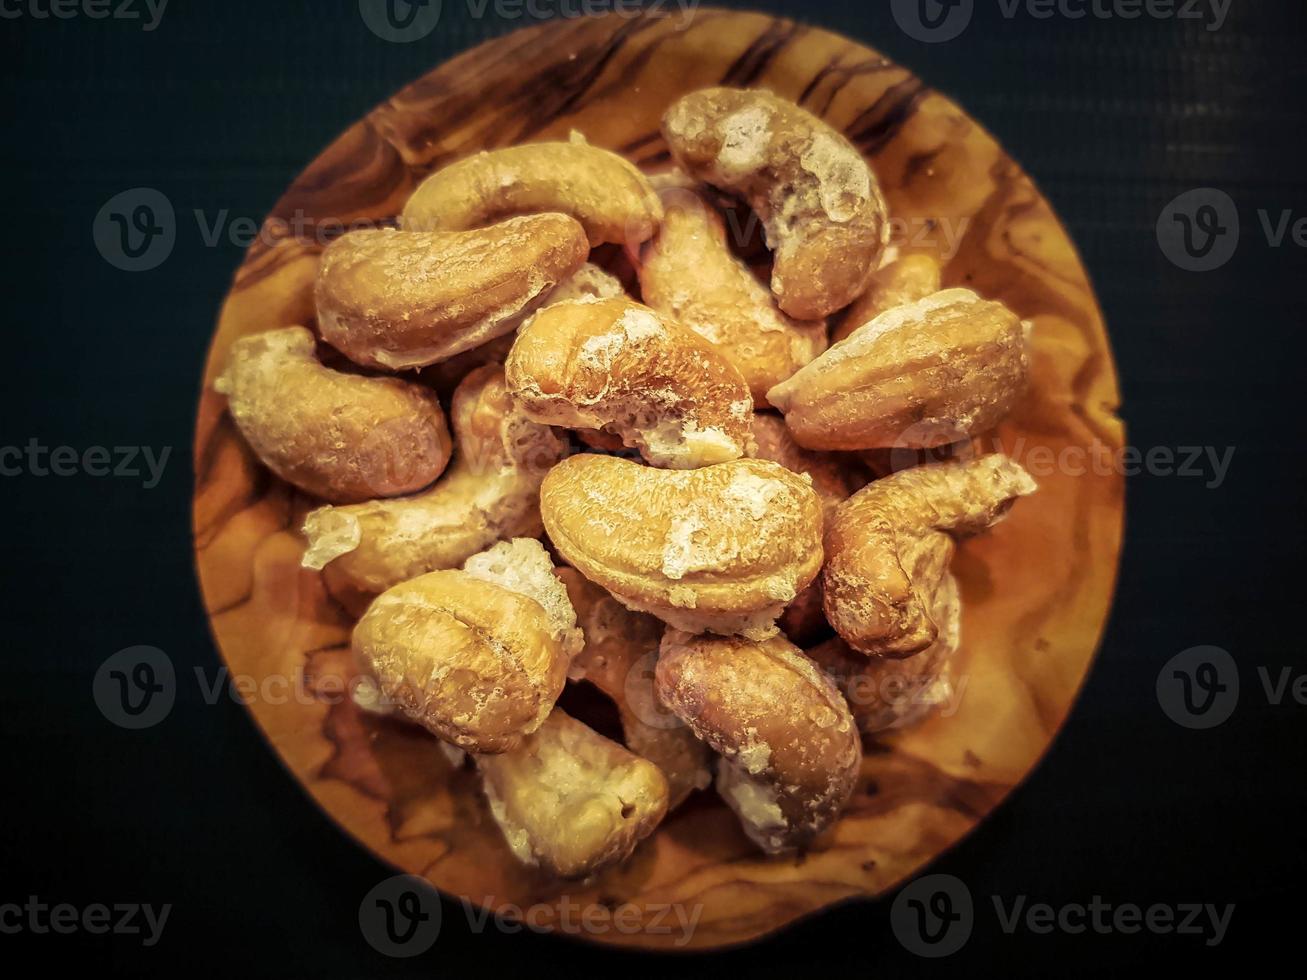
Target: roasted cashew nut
{"x": 821, "y": 208}
{"x": 886, "y": 693}
{"x": 609, "y": 197}
{"x": 722, "y": 548}
{"x": 616, "y": 365}
{"x": 341, "y": 437}
{"x": 404, "y": 299}
{"x": 571, "y": 801}
{"x": 687, "y": 271}
{"x": 621, "y": 648}
{"x": 490, "y": 492}
{"x": 790, "y": 749}
{"x": 918, "y": 376}
{"x": 889, "y": 545}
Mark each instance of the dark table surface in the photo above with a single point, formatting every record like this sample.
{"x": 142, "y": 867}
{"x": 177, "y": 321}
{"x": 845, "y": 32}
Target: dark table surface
{"x": 219, "y": 104}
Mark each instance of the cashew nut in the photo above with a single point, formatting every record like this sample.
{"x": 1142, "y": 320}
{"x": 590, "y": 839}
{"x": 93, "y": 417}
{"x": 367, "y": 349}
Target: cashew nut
{"x": 790, "y": 749}
{"x": 905, "y": 280}
{"x": 404, "y": 299}
{"x": 889, "y": 545}
{"x": 616, "y": 365}
{"x": 918, "y": 376}
{"x": 821, "y": 207}
{"x": 341, "y": 437}
{"x": 609, "y": 197}
{"x": 722, "y": 548}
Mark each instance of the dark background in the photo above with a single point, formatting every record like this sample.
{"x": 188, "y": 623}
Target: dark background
{"x": 225, "y": 102}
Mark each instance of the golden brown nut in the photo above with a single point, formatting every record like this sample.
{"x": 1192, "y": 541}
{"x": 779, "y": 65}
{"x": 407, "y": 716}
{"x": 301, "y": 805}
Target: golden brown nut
{"x": 820, "y": 205}
{"x": 621, "y": 648}
{"x": 614, "y": 364}
{"x": 790, "y": 749}
{"x": 609, "y": 197}
{"x": 474, "y": 663}
{"x": 905, "y": 280}
{"x": 832, "y": 478}
{"x": 341, "y": 437}
{"x": 886, "y": 693}
{"x": 688, "y": 272}
{"x": 722, "y": 548}
{"x": 491, "y": 492}
{"x": 889, "y": 545}
{"x": 917, "y": 376}
{"x": 404, "y": 299}
{"x": 570, "y": 800}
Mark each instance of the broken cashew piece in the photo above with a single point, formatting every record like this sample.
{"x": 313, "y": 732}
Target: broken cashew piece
{"x": 689, "y": 272}
{"x": 722, "y": 548}
{"x": 890, "y": 544}
{"x": 341, "y": 437}
{"x": 621, "y": 648}
{"x": 887, "y": 693}
{"x": 905, "y": 280}
{"x": 571, "y": 801}
{"x": 404, "y": 299}
{"x": 475, "y": 663}
{"x": 821, "y": 207}
{"x": 609, "y": 197}
{"x": 790, "y": 749}
{"x": 491, "y": 492}
{"x": 613, "y": 364}
{"x": 916, "y": 377}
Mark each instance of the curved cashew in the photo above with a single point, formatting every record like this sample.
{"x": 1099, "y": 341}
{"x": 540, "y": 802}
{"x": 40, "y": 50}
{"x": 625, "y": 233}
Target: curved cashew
{"x": 614, "y": 364}
{"x": 884, "y": 692}
{"x": 490, "y": 492}
{"x": 905, "y": 280}
{"x": 341, "y": 437}
{"x": 399, "y": 299}
{"x": 620, "y": 650}
{"x": 820, "y": 205}
{"x": 688, "y": 271}
{"x": 790, "y": 749}
{"x": 889, "y": 545}
{"x": 609, "y": 197}
{"x": 473, "y": 662}
{"x": 918, "y": 376}
{"x": 722, "y": 548}
{"x": 570, "y": 800}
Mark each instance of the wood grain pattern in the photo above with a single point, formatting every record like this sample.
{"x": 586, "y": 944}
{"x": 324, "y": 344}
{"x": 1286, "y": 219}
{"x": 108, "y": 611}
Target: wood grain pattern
{"x": 1036, "y": 590}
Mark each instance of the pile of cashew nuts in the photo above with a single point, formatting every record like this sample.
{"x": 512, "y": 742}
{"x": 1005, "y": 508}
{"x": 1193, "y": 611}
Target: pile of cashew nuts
{"x": 672, "y": 502}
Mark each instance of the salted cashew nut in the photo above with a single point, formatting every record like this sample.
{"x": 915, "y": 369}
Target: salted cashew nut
{"x": 918, "y": 376}
{"x": 491, "y": 492}
{"x": 722, "y": 548}
{"x": 790, "y": 748}
{"x": 476, "y": 662}
{"x": 341, "y": 437}
{"x": 889, "y": 545}
{"x": 616, "y": 365}
{"x": 621, "y": 648}
{"x": 821, "y": 207}
{"x": 907, "y": 279}
{"x": 571, "y": 801}
{"x": 609, "y": 197}
{"x": 405, "y": 299}
{"x": 688, "y": 271}
{"x": 888, "y": 693}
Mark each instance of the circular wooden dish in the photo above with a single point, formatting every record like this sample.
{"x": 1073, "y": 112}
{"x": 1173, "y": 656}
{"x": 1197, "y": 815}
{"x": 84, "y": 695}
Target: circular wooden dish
{"x": 1036, "y": 589}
